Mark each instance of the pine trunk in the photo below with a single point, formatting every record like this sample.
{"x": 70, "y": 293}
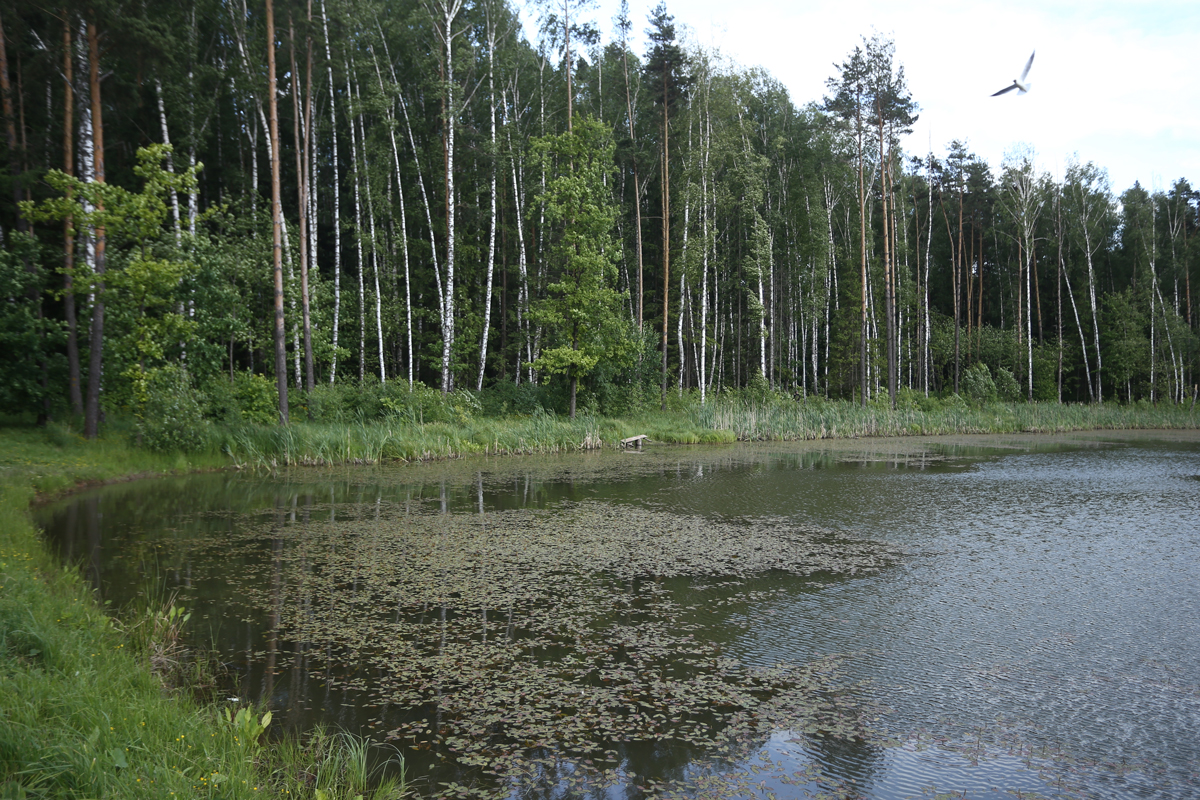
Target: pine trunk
{"x": 281, "y": 384}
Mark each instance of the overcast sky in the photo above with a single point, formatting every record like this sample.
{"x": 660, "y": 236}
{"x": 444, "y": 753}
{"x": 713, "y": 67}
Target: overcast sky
{"x": 1117, "y": 83}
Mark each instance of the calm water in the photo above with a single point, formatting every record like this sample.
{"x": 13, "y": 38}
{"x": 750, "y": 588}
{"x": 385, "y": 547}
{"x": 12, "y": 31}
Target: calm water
{"x": 1031, "y": 629}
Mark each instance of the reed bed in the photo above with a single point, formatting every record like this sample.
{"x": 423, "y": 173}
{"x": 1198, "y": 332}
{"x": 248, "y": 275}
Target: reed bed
{"x": 720, "y": 420}
{"x": 787, "y": 421}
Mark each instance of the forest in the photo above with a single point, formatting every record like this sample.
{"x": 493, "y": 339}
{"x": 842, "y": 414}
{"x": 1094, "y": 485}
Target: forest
{"x": 242, "y": 205}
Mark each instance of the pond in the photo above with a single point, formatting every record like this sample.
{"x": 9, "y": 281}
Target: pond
{"x": 972, "y": 616}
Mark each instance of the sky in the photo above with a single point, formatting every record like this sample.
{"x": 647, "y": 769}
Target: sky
{"x": 1115, "y": 83}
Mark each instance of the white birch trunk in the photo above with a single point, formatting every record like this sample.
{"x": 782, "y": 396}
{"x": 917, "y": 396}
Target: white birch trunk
{"x": 358, "y": 228}
{"x": 337, "y": 204}
{"x": 362, "y": 136}
{"x": 403, "y": 215}
{"x": 487, "y": 303}
{"x": 1087, "y": 367}
{"x": 450, "y": 9}
{"x": 166, "y": 137}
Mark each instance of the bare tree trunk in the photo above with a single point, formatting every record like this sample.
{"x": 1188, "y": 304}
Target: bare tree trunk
{"x": 302, "y": 200}
{"x": 450, "y": 9}
{"x": 666, "y": 234}
{"x": 276, "y": 221}
{"x": 73, "y": 377}
{"x": 337, "y": 205}
{"x": 91, "y": 421}
{"x": 402, "y": 215}
{"x": 362, "y": 135}
{"x": 166, "y": 137}
{"x": 637, "y": 191}
{"x": 310, "y": 196}
{"x": 491, "y": 265}
{"x": 355, "y": 114}
{"x": 889, "y": 298}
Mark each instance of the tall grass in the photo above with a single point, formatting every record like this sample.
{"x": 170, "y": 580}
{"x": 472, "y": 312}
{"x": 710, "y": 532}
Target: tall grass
{"x": 723, "y": 419}
{"x": 788, "y": 420}
{"x": 84, "y": 707}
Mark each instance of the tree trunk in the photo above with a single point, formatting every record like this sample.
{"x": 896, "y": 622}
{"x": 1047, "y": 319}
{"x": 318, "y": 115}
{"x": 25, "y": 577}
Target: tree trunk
{"x": 301, "y": 148}
{"x": 276, "y": 221}
{"x": 402, "y": 215}
{"x": 355, "y": 116}
{"x": 362, "y": 135}
{"x": 637, "y": 191}
{"x": 666, "y": 233}
{"x": 73, "y": 377}
{"x": 337, "y": 204}
{"x": 91, "y": 420}
{"x": 491, "y": 257}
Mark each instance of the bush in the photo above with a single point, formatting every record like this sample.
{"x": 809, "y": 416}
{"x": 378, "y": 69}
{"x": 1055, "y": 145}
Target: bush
{"x": 248, "y": 397}
{"x": 426, "y": 404}
{"x": 508, "y": 399}
{"x": 977, "y": 384}
{"x": 1007, "y": 387}
{"x": 173, "y": 418}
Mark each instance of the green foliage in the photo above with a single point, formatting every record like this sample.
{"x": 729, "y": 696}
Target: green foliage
{"x": 582, "y": 308}
{"x": 977, "y": 383}
{"x": 247, "y": 398}
{"x": 172, "y": 419}
{"x": 370, "y": 400}
{"x": 248, "y": 727}
{"x": 509, "y": 399}
{"x": 1007, "y": 388}
{"x": 1125, "y": 340}
{"x": 28, "y": 341}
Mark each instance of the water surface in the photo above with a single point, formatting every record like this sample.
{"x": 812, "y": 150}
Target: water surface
{"x": 993, "y": 616}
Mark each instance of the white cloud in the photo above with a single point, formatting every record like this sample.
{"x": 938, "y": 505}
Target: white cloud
{"x": 1114, "y": 81}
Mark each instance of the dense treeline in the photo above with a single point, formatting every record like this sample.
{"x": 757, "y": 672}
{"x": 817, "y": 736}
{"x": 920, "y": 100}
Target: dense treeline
{"x": 214, "y": 202}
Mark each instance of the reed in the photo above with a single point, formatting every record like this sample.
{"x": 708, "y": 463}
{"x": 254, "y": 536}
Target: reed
{"x": 789, "y": 420}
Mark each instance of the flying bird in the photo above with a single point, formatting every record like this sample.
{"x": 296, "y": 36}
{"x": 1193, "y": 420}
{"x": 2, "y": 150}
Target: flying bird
{"x": 1019, "y": 83}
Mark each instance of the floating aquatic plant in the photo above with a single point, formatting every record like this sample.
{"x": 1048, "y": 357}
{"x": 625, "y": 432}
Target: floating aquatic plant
{"x": 550, "y": 647}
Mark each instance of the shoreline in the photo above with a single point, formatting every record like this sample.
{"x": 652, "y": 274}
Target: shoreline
{"x": 66, "y": 620}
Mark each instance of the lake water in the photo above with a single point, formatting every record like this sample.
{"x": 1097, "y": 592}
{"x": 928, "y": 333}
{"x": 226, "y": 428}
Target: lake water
{"x": 969, "y": 617}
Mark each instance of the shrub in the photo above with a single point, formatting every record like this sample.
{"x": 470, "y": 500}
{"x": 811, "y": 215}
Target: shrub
{"x": 508, "y": 399}
{"x": 1006, "y": 386}
{"x": 977, "y": 383}
{"x": 247, "y": 397}
{"x": 173, "y": 418}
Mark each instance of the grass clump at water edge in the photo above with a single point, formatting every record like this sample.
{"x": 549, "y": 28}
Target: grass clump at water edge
{"x": 93, "y": 705}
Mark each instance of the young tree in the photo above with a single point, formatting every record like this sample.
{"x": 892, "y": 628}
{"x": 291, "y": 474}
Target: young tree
{"x": 893, "y": 112}
{"x": 1089, "y": 205}
{"x": 851, "y": 102}
{"x": 581, "y": 305}
{"x": 665, "y": 66}
{"x": 1023, "y": 196}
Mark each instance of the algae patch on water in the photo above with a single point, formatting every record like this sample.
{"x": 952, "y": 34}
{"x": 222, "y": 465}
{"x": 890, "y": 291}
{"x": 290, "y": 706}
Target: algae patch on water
{"x": 549, "y": 648}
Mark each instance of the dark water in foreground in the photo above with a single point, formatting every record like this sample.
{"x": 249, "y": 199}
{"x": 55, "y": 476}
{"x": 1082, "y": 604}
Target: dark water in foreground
{"x": 988, "y": 617}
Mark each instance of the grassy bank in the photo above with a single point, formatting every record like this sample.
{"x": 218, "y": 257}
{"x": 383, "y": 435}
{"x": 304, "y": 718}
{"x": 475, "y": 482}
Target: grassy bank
{"x": 919, "y": 416}
{"x": 90, "y": 704}
{"x": 726, "y": 419}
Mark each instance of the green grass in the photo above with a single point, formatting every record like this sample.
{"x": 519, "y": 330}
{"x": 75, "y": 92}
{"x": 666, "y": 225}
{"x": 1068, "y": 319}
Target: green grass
{"x": 788, "y": 420}
{"x": 722, "y": 419}
{"x": 87, "y": 708}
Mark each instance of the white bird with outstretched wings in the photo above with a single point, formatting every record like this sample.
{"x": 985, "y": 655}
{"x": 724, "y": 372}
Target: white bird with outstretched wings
{"x": 1020, "y": 84}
